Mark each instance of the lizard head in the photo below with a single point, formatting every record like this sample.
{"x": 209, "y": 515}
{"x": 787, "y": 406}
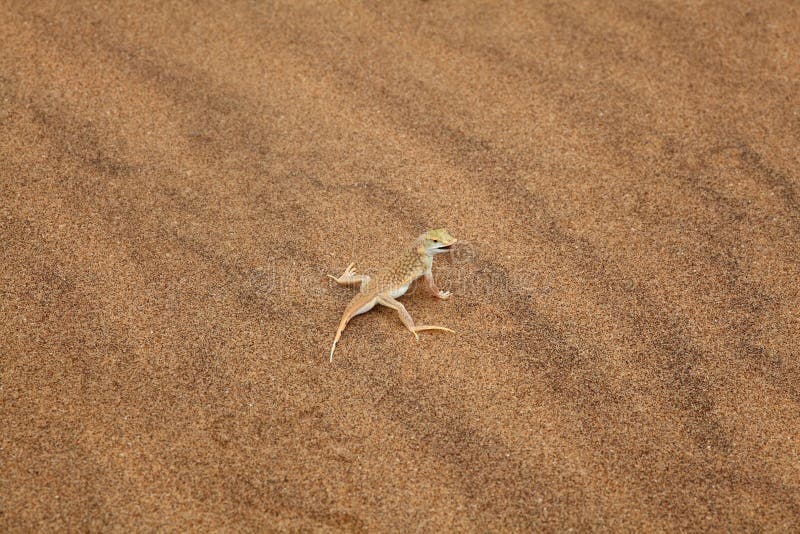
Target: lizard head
{"x": 437, "y": 241}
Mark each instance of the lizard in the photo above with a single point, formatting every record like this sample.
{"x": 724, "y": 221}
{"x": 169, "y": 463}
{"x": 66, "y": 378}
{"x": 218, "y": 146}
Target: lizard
{"x": 394, "y": 280}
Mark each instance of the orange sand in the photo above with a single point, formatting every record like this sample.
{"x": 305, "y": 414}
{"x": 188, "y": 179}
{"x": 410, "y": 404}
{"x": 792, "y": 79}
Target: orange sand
{"x": 175, "y": 184}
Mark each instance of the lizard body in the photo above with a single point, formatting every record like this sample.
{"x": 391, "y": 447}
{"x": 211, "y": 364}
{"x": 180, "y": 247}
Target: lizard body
{"x": 394, "y": 280}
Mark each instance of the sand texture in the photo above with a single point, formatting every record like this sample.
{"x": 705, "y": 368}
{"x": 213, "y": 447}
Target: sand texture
{"x": 177, "y": 179}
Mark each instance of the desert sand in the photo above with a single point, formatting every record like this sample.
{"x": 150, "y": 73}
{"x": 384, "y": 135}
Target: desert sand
{"x": 177, "y": 181}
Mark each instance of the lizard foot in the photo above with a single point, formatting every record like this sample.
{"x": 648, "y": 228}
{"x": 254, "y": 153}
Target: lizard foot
{"x": 420, "y": 328}
{"x": 348, "y": 277}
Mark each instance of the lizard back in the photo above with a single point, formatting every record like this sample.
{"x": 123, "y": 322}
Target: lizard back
{"x": 403, "y": 270}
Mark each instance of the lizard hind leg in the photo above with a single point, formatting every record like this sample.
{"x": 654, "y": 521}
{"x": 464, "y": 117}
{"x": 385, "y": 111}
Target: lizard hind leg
{"x": 390, "y": 302}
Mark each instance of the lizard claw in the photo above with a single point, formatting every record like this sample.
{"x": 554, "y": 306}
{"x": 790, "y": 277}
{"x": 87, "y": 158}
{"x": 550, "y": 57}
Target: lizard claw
{"x": 348, "y": 274}
{"x": 444, "y": 295}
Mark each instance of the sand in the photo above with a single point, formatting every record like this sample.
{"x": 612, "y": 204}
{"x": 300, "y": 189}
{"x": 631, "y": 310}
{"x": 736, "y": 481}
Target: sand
{"x": 176, "y": 182}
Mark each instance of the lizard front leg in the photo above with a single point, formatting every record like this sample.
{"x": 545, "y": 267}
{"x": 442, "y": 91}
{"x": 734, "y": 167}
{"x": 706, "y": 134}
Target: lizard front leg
{"x": 350, "y": 277}
{"x": 444, "y": 295}
{"x": 389, "y": 302}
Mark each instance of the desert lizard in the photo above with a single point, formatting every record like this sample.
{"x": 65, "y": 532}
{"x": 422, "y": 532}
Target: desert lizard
{"x": 394, "y": 280}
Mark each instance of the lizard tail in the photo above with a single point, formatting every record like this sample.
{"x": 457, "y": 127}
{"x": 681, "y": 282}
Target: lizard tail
{"x": 336, "y": 340}
{"x": 342, "y": 324}
{"x": 333, "y": 348}
{"x": 354, "y": 308}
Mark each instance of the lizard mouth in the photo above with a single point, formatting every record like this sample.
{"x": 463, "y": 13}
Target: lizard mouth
{"x": 440, "y": 248}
